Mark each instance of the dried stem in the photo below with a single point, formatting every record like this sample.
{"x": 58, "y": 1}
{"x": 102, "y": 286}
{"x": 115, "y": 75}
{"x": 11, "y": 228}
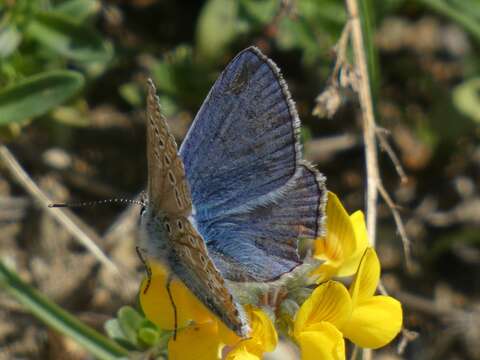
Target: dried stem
{"x": 381, "y": 134}
{"x": 368, "y": 118}
{"x": 369, "y": 126}
{"x": 398, "y": 221}
{"x": 63, "y": 216}
{"x": 370, "y": 133}
{"x": 341, "y": 50}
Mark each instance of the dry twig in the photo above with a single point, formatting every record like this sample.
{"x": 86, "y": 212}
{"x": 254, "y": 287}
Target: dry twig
{"x": 374, "y": 183}
{"x": 370, "y": 133}
{"x": 65, "y": 217}
{"x": 382, "y": 137}
{"x": 369, "y": 126}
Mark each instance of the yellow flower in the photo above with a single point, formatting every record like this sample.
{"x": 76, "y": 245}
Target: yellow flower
{"x": 200, "y": 334}
{"x": 365, "y": 319}
{"x": 317, "y": 322}
{"x": 196, "y": 342}
{"x": 344, "y": 243}
{"x": 263, "y": 337}
{"x": 158, "y": 308}
{"x": 375, "y": 320}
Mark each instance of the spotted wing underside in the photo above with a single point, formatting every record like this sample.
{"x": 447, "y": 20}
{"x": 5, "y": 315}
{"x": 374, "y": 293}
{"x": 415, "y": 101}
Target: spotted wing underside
{"x": 170, "y": 201}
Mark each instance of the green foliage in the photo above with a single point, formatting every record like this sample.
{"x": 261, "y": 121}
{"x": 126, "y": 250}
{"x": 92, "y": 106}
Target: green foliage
{"x": 37, "y": 94}
{"x": 216, "y": 28}
{"x": 466, "y": 98}
{"x": 39, "y": 40}
{"x": 368, "y": 28}
{"x": 56, "y": 317}
{"x": 185, "y": 73}
{"x": 314, "y": 29}
{"x": 136, "y": 333}
{"x": 55, "y": 55}
{"x": 9, "y": 38}
{"x": 78, "y": 10}
{"x": 68, "y": 38}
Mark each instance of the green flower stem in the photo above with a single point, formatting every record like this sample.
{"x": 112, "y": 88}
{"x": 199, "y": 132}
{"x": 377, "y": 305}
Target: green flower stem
{"x": 59, "y": 319}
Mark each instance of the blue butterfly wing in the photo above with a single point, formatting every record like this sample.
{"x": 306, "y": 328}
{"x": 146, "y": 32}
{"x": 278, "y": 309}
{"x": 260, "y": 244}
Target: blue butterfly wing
{"x": 253, "y": 196}
{"x": 261, "y": 244}
{"x": 243, "y": 144}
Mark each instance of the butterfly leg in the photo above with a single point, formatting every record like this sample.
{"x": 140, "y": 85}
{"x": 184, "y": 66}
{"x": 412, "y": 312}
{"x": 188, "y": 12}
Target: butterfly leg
{"x": 174, "y": 307}
{"x": 148, "y": 270}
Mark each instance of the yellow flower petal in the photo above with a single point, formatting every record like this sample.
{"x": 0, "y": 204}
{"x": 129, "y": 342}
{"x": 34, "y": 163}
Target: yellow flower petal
{"x": 225, "y": 334}
{"x": 344, "y": 244}
{"x": 360, "y": 229}
{"x": 263, "y": 336}
{"x": 350, "y": 266}
{"x": 241, "y": 353}
{"x": 328, "y": 302}
{"x": 322, "y": 341}
{"x": 339, "y": 242}
{"x": 157, "y": 306}
{"x": 326, "y": 271}
{"x": 366, "y": 280}
{"x": 196, "y": 342}
{"x": 375, "y": 322}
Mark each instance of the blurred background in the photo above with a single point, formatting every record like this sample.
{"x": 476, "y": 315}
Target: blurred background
{"x": 72, "y": 87}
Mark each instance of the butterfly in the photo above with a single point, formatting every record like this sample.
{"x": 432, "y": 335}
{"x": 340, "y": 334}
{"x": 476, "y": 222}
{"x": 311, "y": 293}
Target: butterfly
{"x": 233, "y": 202}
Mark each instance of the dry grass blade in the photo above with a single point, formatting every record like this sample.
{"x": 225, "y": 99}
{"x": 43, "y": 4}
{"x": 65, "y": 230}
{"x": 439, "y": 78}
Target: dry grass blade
{"x": 368, "y": 118}
{"x": 64, "y": 216}
{"x": 381, "y": 134}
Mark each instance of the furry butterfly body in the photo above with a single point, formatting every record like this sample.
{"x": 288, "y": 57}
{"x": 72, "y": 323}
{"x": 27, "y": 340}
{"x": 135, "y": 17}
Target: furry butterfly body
{"x": 233, "y": 202}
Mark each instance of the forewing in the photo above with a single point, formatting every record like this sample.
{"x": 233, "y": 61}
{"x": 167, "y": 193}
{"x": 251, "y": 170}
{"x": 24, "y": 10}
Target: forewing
{"x": 261, "y": 244}
{"x": 193, "y": 265}
{"x": 242, "y": 147}
{"x": 168, "y": 190}
{"x": 170, "y": 231}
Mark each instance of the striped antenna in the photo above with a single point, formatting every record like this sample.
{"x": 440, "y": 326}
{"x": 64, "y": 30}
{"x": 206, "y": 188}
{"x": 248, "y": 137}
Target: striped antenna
{"x": 98, "y": 202}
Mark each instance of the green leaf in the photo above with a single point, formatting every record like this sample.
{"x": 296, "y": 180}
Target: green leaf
{"x": 216, "y": 28}
{"x": 132, "y": 93}
{"x": 78, "y": 10}
{"x": 130, "y": 322}
{"x": 182, "y": 79}
{"x": 113, "y": 329}
{"x": 38, "y": 94}
{"x": 9, "y": 40}
{"x": 466, "y": 97}
{"x": 71, "y": 115}
{"x": 368, "y": 30}
{"x": 69, "y": 38}
{"x": 258, "y": 12}
{"x": 315, "y": 29}
{"x": 57, "y": 318}
{"x": 148, "y": 336}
